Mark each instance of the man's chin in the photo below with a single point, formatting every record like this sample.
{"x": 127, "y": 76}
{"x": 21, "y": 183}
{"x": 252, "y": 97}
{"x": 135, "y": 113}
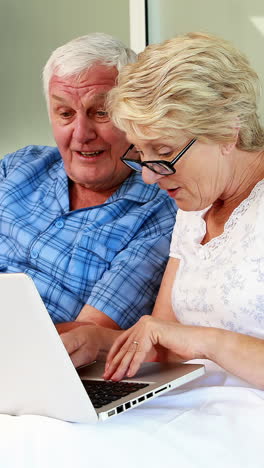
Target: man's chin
{"x": 87, "y": 183}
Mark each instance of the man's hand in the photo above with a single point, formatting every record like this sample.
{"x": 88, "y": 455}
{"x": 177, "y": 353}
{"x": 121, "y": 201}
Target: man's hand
{"x": 67, "y": 326}
{"x": 82, "y": 343}
{"x": 86, "y": 343}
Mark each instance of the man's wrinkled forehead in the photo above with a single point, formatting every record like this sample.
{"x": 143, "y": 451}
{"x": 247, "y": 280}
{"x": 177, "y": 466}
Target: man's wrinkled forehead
{"x": 96, "y": 75}
{"x": 95, "y": 100}
{"x": 93, "y": 84}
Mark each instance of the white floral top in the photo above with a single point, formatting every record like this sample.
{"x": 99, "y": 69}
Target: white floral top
{"x": 221, "y": 283}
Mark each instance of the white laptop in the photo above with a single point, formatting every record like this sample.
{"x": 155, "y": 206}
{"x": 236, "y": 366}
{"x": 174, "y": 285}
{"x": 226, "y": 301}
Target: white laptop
{"x": 38, "y": 377}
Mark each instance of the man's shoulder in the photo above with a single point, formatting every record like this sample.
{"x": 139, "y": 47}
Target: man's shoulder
{"x": 134, "y": 188}
{"x": 30, "y": 154}
{"x": 153, "y": 206}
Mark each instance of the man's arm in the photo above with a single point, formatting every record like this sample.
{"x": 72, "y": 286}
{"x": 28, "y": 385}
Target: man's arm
{"x": 90, "y": 337}
{"x": 93, "y": 342}
{"x": 93, "y": 315}
{"x": 128, "y": 287}
{"x": 88, "y": 316}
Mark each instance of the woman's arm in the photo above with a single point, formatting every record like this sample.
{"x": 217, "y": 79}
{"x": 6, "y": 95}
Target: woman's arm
{"x": 163, "y": 307}
{"x": 241, "y": 355}
{"x": 162, "y": 338}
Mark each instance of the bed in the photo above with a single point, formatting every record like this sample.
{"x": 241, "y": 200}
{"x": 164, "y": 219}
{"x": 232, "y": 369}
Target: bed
{"x": 215, "y": 421}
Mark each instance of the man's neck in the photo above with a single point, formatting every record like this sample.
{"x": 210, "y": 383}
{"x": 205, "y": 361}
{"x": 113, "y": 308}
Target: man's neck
{"x": 83, "y": 197}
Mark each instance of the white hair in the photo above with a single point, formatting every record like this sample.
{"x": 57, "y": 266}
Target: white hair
{"x": 81, "y": 53}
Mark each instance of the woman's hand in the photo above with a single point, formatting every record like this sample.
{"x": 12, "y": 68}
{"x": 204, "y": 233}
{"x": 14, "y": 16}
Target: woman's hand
{"x": 152, "y": 339}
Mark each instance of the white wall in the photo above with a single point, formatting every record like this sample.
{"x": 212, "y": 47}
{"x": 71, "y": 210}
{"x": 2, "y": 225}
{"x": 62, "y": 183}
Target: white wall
{"x": 29, "y": 31}
{"x": 241, "y": 21}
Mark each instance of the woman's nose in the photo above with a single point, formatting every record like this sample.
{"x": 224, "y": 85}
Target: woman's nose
{"x": 149, "y": 176}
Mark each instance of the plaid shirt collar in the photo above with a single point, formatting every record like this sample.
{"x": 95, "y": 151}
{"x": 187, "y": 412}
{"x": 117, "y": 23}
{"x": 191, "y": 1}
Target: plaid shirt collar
{"x": 133, "y": 188}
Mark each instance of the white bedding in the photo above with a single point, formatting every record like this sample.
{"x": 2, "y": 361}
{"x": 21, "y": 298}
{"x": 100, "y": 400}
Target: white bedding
{"x": 216, "y": 421}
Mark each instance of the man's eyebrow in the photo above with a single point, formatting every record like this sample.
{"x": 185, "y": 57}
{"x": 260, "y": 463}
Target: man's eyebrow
{"x": 98, "y": 97}
{"x": 94, "y": 100}
{"x": 58, "y": 98}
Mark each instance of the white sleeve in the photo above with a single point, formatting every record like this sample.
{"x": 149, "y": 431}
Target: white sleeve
{"x": 177, "y": 235}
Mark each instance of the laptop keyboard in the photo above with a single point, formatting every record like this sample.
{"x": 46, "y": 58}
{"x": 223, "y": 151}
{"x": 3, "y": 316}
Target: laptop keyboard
{"x": 103, "y": 392}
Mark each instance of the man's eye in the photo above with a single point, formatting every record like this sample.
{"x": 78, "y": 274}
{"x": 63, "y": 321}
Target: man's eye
{"x": 66, "y": 114}
{"x": 101, "y": 115}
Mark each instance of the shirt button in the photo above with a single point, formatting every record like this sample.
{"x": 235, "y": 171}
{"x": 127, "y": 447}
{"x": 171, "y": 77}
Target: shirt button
{"x": 34, "y": 254}
{"x": 59, "y": 224}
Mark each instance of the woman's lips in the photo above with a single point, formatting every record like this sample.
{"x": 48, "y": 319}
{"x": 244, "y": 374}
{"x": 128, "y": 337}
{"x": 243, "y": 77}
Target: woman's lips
{"x": 173, "y": 192}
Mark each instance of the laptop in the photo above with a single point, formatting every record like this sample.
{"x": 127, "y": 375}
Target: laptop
{"x": 37, "y": 374}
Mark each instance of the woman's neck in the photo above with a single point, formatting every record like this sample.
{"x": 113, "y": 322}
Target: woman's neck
{"x": 247, "y": 172}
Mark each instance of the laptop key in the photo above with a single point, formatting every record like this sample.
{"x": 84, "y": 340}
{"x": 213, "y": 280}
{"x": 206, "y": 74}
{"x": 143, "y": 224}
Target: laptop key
{"x": 103, "y": 392}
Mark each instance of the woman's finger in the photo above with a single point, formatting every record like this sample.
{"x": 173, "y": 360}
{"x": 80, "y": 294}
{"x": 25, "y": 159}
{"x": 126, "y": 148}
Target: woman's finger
{"x": 138, "y": 359}
{"x": 130, "y": 349}
{"x": 128, "y": 360}
{"x": 129, "y": 366}
{"x": 132, "y": 334}
{"x": 120, "y": 369}
{"x": 116, "y": 346}
{"x": 117, "y": 359}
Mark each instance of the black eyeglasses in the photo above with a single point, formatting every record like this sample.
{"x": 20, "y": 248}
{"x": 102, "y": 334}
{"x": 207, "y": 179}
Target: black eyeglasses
{"x": 159, "y": 167}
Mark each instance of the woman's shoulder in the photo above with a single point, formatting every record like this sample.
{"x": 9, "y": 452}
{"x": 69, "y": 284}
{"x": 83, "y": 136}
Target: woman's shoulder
{"x": 253, "y": 206}
{"x": 257, "y": 194}
{"x": 256, "y": 200}
{"x": 189, "y": 220}
{"x": 189, "y": 228}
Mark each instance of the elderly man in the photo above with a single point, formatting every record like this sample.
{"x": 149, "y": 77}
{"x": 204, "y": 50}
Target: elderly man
{"x": 93, "y": 236}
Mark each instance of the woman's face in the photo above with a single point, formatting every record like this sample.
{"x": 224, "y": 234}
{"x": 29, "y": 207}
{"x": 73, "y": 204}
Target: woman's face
{"x": 201, "y": 173}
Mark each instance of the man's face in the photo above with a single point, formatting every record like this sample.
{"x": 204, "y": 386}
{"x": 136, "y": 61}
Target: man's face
{"x": 88, "y": 142}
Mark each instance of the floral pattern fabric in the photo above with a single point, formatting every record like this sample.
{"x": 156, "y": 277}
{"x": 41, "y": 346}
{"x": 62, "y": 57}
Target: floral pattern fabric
{"x": 220, "y": 284}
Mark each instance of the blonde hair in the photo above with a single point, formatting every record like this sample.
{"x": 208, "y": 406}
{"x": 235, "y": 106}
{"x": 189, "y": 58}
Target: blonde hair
{"x": 196, "y": 83}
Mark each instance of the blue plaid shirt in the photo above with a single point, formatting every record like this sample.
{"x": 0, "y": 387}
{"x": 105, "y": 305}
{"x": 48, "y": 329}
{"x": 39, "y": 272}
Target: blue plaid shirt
{"x": 110, "y": 256}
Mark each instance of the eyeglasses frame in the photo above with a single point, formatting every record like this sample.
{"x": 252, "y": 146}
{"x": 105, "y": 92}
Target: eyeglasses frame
{"x": 169, "y": 164}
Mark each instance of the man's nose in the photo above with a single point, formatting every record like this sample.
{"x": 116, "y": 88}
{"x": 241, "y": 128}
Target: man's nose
{"x": 149, "y": 176}
{"x": 84, "y": 129}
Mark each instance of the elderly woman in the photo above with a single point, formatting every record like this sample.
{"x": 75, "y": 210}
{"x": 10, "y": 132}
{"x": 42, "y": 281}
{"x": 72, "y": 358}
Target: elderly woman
{"x": 188, "y": 106}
